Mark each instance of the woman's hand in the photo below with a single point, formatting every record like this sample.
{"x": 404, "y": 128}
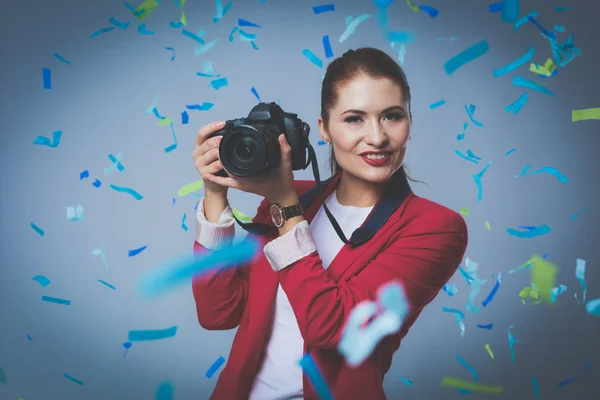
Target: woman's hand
{"x": 206, "y": 157}
{"x": 277, "y": 185}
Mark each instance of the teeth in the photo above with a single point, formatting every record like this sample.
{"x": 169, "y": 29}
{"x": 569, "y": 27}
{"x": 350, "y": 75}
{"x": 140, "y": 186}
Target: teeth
{"x": 376, "y": 156}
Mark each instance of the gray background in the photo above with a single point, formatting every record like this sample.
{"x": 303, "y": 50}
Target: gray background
{"x": 99, "y": 103}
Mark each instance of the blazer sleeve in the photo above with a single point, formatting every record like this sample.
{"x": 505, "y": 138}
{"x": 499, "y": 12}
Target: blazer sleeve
{"x": 221, "y": 295}
{"x": 423, "y": 257}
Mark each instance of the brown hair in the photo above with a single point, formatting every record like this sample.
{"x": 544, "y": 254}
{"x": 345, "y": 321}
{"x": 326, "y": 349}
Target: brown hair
{"x": 366, "y": 60}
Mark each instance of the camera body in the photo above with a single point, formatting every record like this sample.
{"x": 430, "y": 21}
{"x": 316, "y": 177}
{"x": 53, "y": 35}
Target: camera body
{"x": 249, "y": 146}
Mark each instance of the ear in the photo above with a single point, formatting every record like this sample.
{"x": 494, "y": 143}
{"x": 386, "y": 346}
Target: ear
{"x": 322, "y": 130}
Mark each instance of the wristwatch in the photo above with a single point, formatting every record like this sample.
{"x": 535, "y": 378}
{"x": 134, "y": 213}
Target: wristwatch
{"x": 281, "y": 214}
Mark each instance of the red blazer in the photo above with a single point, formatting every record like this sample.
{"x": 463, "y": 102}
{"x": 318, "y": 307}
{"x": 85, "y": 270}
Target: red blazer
{"x": 421, "y": 245}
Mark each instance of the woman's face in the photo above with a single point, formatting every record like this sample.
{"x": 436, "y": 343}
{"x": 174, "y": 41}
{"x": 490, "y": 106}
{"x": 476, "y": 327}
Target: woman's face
{"x": 371, "y": 115}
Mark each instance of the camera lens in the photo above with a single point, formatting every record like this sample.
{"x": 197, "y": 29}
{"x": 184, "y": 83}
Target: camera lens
{"x": 246, "y": 148}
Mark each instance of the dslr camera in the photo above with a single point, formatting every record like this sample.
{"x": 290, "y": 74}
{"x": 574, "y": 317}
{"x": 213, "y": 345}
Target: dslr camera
{"x": 249, "y": 146}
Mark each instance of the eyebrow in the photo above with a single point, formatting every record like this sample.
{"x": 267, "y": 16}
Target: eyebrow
{"x": 364, "y": 112}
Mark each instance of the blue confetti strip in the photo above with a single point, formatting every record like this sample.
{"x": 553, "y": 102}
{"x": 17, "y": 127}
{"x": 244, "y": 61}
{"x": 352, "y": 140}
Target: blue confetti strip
{"x": 42, "y": 280}
{"x": 97, "y": 183}
{"x": 37, "y": 229}
{"x": 515, "y": 64}
{"x": 315, "y": 377}
{"x": 219, "y": 83}
{"x": 470, "y": 112}
{"x": 84, "y": 174}
{"x": 61, "y": 58}
{"x": 255, "y": 93}
{"x": 164, "y": 391}
{"x": 429, "y": 10}
{"x": 175, "y": 24}
{"x": 327, "y": 47}
{"x": 323, "y": 8}
{"x": 312, "y": 58}
{"x": 477, "y": 179}
{"x": 525, "y": 19}
{"x": 183, "y": 225}
{"x": 221, "y": 11}
{"x": 544, "y": 31}
{"x": 510, "y": 10}
{"x": 467, "y": 366}
{"x": 101, "y": 31}
{"x": 496, "y": 7}
{"x": 243, "y": 22}
{"x": 321, "y": 143}
{"x": 127, "y": 190}
{"x": 200, "y": 107}
{"x": 185, "y": 118}
{"x": 192, "y": 36}
{"x": 77, "y": 381}
{"x": 56, "y": 300}
{"x": 214, "y": 367}
{"x": 247, "y": 36}
{"x": 518, "y": 104}
{"x": 46, "y": 77}
{"x": 29, "y": 337}
{"x": 135, "y": 252}
{"x": 173, "y": 51}
{"x": 120, "y": 25}
{"x": 127, "y": 345}
{"x": 107, "y": 284}
{"x": 466, "y": 56}
{"x": 142, "y": 29}
{"x": 563, "y": 383}
{"x": 490, "y": 296}
{"x": 488, "y": 326}
{"x": 44, "y": 141}
{"x": 537, "y": 231}
{"x": 437, "y": 104}
{"x": 153, "y": 334}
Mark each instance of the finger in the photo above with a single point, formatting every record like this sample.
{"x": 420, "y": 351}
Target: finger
{"x": 222, "y": 181}
{"x": 286, "y": 149}
{"x": 207, "y": 129}
{"x": 213, "y": 167}
{"x": 212, "y": 143}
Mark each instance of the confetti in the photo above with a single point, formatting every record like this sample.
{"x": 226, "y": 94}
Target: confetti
{"x": 458, "y": 318}
{"x": 559, "y": 28}
{"x": 185, "y": 118}
{"x": 205, "y": 47}
{"x": 42, "y": 280}
{"x": 592, "y": 307}
{"x": 200, "y": 107}
{"x": 488, "y": 326}
{"x": 401, "y": 52}
{"x": 466, "y": 56}
{"x": 190, "y": 188}
{"x": 219, "y": 83}
{"x": 413, "y": 8}
{"x": 535, "y": 388}
{"x": 585, "y": 114}
{"x": 44, "y": 141}
{"x": 563, "y": 383}
{"x": 351, "y": 25}
{"x": 487, "y": 226}
{"x": 496, "y": 7}
{"x": 477, "y": 179}
{"x": 75, "y": 213}
{"x": 538, "y": 231}
{"x": 562, "y": 9}
{"x": 460, "y": 384}
{"x": 127, "y": 190}
{"x": 437, "y": 104}
{"x": 489, "y": 350}
{"x": 37, "y": 229}
{"x": 97, "y": 183}
{"x": 580, "y": 275}
{"x": 214, "y": 367}
{"x": 72, "y": 379}
{"x": 145, "y": 8}
{"x": 154, "y": 334}
{"x": 192, "y": 36}
{"x": 327, "y": 47}
{"x": 2, "y": 375}
{"x": 548, "y": 170}
{"x": 243, "y": 22}
{"x": 515, "y": 64}
{"x": 61, "y": 58}
{"x": 526, "y": 83}
{"x": 557, "y": 291}
{"x": 314, "y": 375}
{"x": 517, "y": 105}
{"x": 135, "y": 252}
{"x": 221, "y": 11}
{"x": 102, "y": 254}
{"x": 530, "y": 293}
{"x": 544, "y": 31}
{"x": 120, "y": 25}
{"x": 467, "y": 366}
{"x": 525, "y": 19}
{"x": 470, "y": 112}
{"x": 46, "y": 77}
{"x": 546, "y": 70}
{"x": 241, "y": 216}
{"x": 510, "y": 10}
{"x": 107, "y": 284}
{"x": 183, "y": 225}
{"x": 323, "y": 8}
{"x": 429, "y": 10}
{"x": 450, "y": 289}
{"x": 171, "y": 50}
{"x": 312, "y": 58}
{"x": 84, "y": 174}
{"x": 511, "y": 344}
{"x": 183, "y": 19}
{"x": 172, "y": 147}
{"x": 101, "y": 31}
{"x": 409, "y": 383}
{"x": 459, "y": 153}
{"x": 56, "y": 300}
{"x": 164, "y": 391}
{"x": 493, "y": 292}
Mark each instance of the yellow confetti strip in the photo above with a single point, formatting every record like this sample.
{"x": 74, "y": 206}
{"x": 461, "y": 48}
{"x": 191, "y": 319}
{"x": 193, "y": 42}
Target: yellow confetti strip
{"x": 589, "y": 113}
{"x": 240, "y": 215}
{"x": 464, "y": 211}
{"x": 475, "y": 387}
{"x": 148, "y": 6}
{"x": 183, "y": 19}
{"x": 543, "y": 276}
{"x": 487, "y": 226}
{"x": 547, "y": 69}
{"x": 165, "y": 121}
{"x": 489, "y": 350}
{"x": 529, "y": 292}
{"x": 415, "y": 9}
{"x": 190, "y": 188}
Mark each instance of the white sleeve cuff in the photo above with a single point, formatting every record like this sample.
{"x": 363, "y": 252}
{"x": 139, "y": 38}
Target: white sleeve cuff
{"x": 291, "y": 247}
{"x": 215, "y": 236}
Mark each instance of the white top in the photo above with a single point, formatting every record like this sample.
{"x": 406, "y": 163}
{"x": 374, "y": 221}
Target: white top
{"x": 280, "y": 376}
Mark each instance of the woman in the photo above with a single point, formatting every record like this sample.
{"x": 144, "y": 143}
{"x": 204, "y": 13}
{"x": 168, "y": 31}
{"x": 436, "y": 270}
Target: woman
{"x": 295, "y": 295}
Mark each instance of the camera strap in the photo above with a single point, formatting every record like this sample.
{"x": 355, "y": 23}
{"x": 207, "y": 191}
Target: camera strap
{"x": 396, "y": 191}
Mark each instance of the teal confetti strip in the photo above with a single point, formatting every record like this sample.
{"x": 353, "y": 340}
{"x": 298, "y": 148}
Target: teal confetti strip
{"x": 549, "y": 170}
{"x": 77, "y": 381}
{"x": 152, "y": 106}
{"x": 56, "y": 300}
{"x": 460, "y": 154}
{"x": 42, "y": 280}
{"x": 470, "y": 112}
{"x": 450, "y": 289}
{"x": 477, "y": 179}
{"x": 557, "y": 291}
{"x": 107, "y": 284}
{"x": 247, "y": 36}
{"x": 37, "y": 229}
{"x": 192, "y": 36}
{"x": 101, "y": 31}
{"x": 312, "y": 58}
{"x": 518, "y": 104}
{"x": 61, "y": 58}
{"x": 592, "y": 307}
{"x": 458, "y": 318}
{"x": 351, "y": 25}
{"x": 175, "y": 25}
{"x": 127, "y": 190}
{"x": 142, "y": 29}
{"x": 578, "y": 213}
{"x": 154, "y": 334}
{"x": 511, "y": 344}
{"x": 509, "y": 152}
{"x": 214, "y": 367}
{"x": 233, "y": 32}
{"x": 116, "y": 163}
{"x": 401, "y": 52}
{"x": 183, "y": 225}
{"x": 470, "y": 275}
{"x": 75, "y": 213}
{"x": 164, "y": 391}
{"x": 174, "y": 145}
{"x": 510, "y": 10}
{"x": 525, "y": 19}
{"x": 120, "y": 25}
{"x": 563, "y": 383}
{"x": 135, "y": 252}
{"x": 102, "y": 254}
{"x": 525, "y": 58}
{"x": 559, "y": 28}
{"x": 580, "y": 275}
{"x": 219, "y": 83}
{"x": 466, "y": 56}
{"x": 221, "y": 11}
{"x": 409, "y": 383}
{"x": 562, "y": 9}
{"x": 536, "y": 391}
{"x": 538, "y": 231}
{"x": 526, "y": 83}
{"x": 314, "y": 375}
{"x": 467, "y": 366}
{"x": 437, "y": 104}
{"x": 399, "y": 37}
{"x": 443, "y": 39}
{"x": 2, "y": 375}
{"x": 44, "y": 141}
{"x": 182, "y": 269}
{"x": 205, "y": 47}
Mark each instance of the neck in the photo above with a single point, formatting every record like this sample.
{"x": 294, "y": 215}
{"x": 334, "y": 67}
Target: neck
{"x": 352, "y": 191}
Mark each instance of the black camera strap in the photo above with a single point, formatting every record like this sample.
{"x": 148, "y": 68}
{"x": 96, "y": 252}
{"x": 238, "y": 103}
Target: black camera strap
{"x": 396, "y": 191}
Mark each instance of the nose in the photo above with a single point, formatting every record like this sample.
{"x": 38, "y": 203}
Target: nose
{"x": 376, "y": 136}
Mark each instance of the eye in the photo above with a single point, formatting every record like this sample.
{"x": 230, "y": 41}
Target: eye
{"x": 353, "y": 119}
{"x": 395, "y": 116}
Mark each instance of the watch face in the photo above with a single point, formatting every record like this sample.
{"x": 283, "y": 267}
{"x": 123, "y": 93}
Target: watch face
{"x": 276, "y": 215}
